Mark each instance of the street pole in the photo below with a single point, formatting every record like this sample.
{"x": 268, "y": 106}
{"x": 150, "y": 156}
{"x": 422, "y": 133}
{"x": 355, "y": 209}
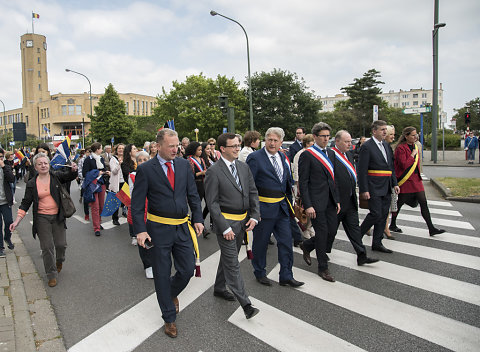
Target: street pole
{"x": 91, "y": 109}
{"x": 436, "y": 26}
{"x": 214, "y": 13}
{"x": 421, "y": 132}
{"x": 4, "y": 125}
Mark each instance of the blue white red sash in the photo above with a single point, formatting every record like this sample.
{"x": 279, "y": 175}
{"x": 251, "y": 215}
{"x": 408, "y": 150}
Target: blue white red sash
{"x": 193, "y": 160}
{"x": 287, "y": 161}
{"x": 339, "y": 155}
{"x": 318, "y": 154}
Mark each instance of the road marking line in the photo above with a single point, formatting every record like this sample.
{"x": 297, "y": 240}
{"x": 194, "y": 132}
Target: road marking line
{"x": 440, "y": 203}
{"x": 285, "y": 332}
{"x": 432, "y": 327}
{"x": 128, "y": 330}
{"x": 436, "y": 221}
{"x": 445, "y": 286}
{"x": 449, "y": 237}
{"x": 433, "y": 211}
{"x": 440, "y": 255}
{"x": 81, "y": 219}
{"x": 107, "y": 225}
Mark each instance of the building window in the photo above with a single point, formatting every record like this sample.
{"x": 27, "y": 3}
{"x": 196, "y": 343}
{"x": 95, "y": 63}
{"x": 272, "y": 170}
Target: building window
{"x": 415, "y": 102}
{"x": 395, "y": 105}
{"x": 39, "y": 87}
{"x": 26, "y": 117}
{"x": 424, "y": 95}
{"x": 38, "y": 59}
{"x": 126, "y": 107}
{"x": 415, "y": 96}
{"x": 38, "y": 50}
{"x": 424, "y": 102}
{"x": 74, "y": 129}
{"x": 39, "y": 74}
{"x": 71, "y": 110}
{"x": 405, "y": 96}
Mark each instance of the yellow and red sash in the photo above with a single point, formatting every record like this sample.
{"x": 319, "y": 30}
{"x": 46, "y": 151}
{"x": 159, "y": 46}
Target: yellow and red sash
{"x": 408, "y": 172}
{"x": 382, "y": 173}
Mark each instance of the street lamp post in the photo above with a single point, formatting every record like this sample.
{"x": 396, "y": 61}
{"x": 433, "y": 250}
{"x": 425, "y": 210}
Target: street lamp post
{"x": 196, "y": 130}
{"x": 91, "y": 109}
{"x": 214, "y": 13}
{"x": 436, "y": 26}
{"x": 4, "y": 125}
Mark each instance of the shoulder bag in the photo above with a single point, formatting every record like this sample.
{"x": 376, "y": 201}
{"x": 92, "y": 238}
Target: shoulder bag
{"x": 67, "y": 203}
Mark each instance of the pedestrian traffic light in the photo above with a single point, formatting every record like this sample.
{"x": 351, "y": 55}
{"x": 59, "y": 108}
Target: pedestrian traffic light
{"x": 467, "y": 118}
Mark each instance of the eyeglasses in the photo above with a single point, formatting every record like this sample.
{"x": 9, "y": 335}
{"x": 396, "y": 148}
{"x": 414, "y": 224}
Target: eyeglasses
{"x": 235, "y": 146}
{"x": 324, "y": 136}
{"x": 211, "y": 143}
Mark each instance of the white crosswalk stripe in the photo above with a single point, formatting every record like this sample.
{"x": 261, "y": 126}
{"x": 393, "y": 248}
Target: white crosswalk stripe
{"x": 449, "y": 237}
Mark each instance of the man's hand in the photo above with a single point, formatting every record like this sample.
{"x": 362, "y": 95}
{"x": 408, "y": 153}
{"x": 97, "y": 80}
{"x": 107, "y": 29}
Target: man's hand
{"x": 338, "y": 208}
{"x": 365, "y": 195}
{"x": 141, "y": 237}
{"x": 229, "y": 235}
{"x": 311, "y": 212}
{"x": 397, "y": 189}
{"x": 198, "y": 226}
{"x": 250, "y": 225}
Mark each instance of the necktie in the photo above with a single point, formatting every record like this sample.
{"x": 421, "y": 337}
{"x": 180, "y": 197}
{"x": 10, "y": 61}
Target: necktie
{"x": 324, "y": 152}
{"x": 235, "y": 175}
{"x": 170, "y": 174}
{"x": 277, "y": 168}
{"x": 382, "y": 148}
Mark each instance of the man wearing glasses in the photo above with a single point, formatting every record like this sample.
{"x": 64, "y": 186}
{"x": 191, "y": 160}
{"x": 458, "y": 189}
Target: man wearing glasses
{"x": 319, "y": 196}
{"x": 6, "y": 202}
{"x": 297, "y": 145}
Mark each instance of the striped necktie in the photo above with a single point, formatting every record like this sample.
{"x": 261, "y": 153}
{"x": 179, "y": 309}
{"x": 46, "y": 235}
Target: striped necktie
{"x": 277, "y": 168}
{"x": 235, "y": 175}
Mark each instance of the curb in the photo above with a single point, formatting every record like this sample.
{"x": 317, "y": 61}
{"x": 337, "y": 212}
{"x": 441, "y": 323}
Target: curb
{"x": 447, "y": 194}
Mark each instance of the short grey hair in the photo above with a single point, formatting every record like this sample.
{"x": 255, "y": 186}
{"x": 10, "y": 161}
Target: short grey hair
{"x": 165, "y": 132}
{"x": 339, "y": 134}
{"x": 320, "y": 126}
{"x": 142, "y": 153}
{"x": 38, "y": 156}
{"x": 275, "y": 130}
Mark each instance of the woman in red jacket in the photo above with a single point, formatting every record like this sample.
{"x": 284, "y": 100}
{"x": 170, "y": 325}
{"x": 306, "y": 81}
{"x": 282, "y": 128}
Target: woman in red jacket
{"x": 408, "y": 174}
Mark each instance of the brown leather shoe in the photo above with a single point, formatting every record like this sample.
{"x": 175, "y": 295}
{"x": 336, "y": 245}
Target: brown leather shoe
{"x": 326, "y": 276}
{"x": 59, "y": 266}
{"x": 171, "y": 330}
{"x": 177, "y": 305}
{"x": 306, "y": 254}
{"x": 52, "y": 282}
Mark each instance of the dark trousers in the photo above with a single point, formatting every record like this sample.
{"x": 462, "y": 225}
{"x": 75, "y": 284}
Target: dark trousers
{"x": 296, "y": 234}
{"x": 145, "y": 256}
{"x": 349, "y": 219}
{"x": 6, "y": 216}
{"x": 261, "y": 234}
{"x": 422, "y": 201}
{"x": 379, "y": 207}
{"x": 53, "y": 242}
{"x": 168, "y": 244}
{"x": 325, "y": 226}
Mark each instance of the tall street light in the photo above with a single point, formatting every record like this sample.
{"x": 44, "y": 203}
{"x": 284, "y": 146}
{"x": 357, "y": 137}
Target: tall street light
{"x": 214, "y": 13}
{"x": 436, "y": 26}
{"x": 4, "y": 125}
{"x": 91, "y": 110}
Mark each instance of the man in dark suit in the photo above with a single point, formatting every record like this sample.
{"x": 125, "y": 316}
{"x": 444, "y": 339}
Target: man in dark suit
{"x": 346, "y": 181}
{"x": 319, "y": 197}
{"x": 169, "y": 186}
{"x": 232, "y": 198}
{"x": 376, "y": 178}
{"x": 274, "y": 183}
{"x": 297, "y": 145}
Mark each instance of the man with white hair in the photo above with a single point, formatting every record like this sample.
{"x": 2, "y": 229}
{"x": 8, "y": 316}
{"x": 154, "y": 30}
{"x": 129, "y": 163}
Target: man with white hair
{"x": 274, "y": 183}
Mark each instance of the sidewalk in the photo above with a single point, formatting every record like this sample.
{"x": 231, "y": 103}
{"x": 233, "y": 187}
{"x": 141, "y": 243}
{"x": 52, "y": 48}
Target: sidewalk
{"x": 452, "y": 158}
{"x": 27, "y": 320}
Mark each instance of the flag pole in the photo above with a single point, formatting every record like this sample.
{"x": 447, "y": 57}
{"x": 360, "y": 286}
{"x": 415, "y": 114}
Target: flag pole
{"x": 33, "y": 32}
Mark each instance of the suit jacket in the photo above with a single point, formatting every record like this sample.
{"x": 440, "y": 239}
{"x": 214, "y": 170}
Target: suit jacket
{"x": 294, "y": 149}
{"x": 222, "y": 193}
{"x": 346, "y": 184}
{"x": 266, "y": 179}
{"x": 371, "y": 158}
{"x": 152, "y": 184}
{"x": 317, "y": 188}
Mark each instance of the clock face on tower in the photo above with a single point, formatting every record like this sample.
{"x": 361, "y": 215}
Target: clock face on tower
{"x": 45, "y": 46}
{"x": 29, "y": 43}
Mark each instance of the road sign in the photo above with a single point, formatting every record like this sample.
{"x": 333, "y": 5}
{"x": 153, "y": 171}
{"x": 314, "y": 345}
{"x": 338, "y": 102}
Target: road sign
{"x": 12, "y": 143}
{"x": 375, "y": 112}
{"x": 417, "y": 110}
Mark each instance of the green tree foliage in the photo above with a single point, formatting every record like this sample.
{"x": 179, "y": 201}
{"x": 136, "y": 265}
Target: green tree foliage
{"x": 474, "y": 109}
{"x": 281, "y": 99}
{"x": 110, "y": 119}
{"x": 194, "y": 104}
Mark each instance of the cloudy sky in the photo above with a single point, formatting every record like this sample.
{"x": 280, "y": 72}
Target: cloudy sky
{"x": 142, "y": 46}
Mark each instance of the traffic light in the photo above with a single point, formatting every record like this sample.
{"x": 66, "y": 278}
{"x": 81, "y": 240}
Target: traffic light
{"x": 467, "y": 118}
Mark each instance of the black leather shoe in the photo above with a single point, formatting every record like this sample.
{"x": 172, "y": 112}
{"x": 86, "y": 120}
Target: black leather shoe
{"x": 264, "y": 281}
{"x": 366, "y": 260}
{"x": 306, "y": 255}
{"x": 250, "y": 311}
{"x": 97, "y": 233}
{"x": 432, "y": 233}
{"x": 10, "y": 245}
{"x": 381, "y": 248}
{"x": 326, "y": 275}
{"x": 292, "y": 282}
{"x": 116, "y": 222}
{"x": 226, "y": 295}
{"x": 395, "y": 229}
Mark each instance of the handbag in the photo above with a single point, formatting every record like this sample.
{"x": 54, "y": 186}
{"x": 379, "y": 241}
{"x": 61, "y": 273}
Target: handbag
{"x": 363, "y": 203}
{"x": 393, "y": 203}
{"x": 300, "y": 212}
{"x": 67, "y": 203}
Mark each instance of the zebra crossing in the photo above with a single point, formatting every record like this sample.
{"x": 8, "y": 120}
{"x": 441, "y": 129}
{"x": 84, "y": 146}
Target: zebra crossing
{"x": 424, "y": 296}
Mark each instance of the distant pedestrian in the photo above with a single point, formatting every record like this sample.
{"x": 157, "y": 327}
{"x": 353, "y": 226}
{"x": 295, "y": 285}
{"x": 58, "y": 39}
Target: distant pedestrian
{"x": 297, "y": 145}
{"x": 471, "y": 145}
{"x": 252, "y": 141}
{"x": 6, "y": 202}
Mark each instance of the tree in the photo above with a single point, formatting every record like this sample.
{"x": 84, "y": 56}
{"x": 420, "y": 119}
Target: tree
{"x": 363, "y": 93}
{"x": 194, "y": 104}
{"x": 474, "y": 109}
{"x": 110, "y": 119}
{"x": 281, "y": 99}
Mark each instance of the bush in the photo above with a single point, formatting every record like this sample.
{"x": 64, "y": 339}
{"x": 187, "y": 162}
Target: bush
{"x": 452, "y": 141}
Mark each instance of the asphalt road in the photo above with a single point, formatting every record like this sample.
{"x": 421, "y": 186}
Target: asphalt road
{"x": 451, "y": 171}
{"x": 425, "y": 296}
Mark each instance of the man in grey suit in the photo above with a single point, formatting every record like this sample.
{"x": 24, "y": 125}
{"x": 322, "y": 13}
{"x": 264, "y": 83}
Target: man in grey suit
{"x": 232, "y": 198}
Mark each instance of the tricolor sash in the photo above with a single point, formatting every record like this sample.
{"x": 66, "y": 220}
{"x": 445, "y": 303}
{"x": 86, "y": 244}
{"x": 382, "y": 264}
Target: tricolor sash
{"x": 287, "y": 161}
{"x": 408, "y": 172}
{"x": 339, "y": 155}
{"x": 199, "y": 165}
{"x": 317, "y": 153}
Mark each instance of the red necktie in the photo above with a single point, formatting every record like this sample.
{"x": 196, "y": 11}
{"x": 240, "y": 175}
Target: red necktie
{"x": 170, "y": 174}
